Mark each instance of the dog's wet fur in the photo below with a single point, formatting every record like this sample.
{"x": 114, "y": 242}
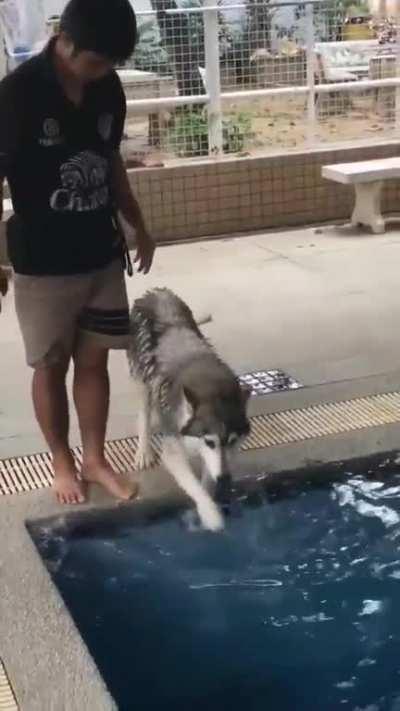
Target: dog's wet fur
{"x": 197, "y": 399}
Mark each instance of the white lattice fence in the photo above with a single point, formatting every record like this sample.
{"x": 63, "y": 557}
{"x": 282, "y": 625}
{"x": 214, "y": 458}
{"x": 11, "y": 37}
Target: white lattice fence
{"x": 259, "y": 77}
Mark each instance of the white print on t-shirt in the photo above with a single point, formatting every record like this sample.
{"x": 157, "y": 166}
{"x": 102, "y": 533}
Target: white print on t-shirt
{"x": 51, "y": 131}
{"x": 84, "y": 184}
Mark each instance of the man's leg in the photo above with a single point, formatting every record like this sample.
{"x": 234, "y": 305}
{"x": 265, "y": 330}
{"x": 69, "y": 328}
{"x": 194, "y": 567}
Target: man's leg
{"x": 47, "y": 309}
{"x": 51, "y": 407}
{"x": 91, "y": 395}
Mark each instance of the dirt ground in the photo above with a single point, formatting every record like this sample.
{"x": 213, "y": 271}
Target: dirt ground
{"x": 273, "y": 125}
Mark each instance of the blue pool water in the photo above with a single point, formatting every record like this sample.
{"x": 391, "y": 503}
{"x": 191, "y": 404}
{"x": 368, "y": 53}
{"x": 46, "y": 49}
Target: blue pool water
{"x": 296, "y": 607}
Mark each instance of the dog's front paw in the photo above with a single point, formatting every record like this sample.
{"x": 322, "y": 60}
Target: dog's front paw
{"x": 211, "y": 517}
{"x": 145, "y": 458}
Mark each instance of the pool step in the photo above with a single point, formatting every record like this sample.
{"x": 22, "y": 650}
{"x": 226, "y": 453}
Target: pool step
{"x": 32, "y": 472}
{"x": 8, "y": 701}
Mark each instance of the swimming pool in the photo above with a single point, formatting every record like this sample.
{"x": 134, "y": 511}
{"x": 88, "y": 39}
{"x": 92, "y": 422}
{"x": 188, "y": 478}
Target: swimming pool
{"x": 293, "y": 608}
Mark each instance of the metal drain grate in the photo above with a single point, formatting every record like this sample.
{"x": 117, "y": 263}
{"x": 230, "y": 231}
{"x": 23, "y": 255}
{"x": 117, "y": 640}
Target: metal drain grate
{"x": 20, "y": 475}
{"x": 23, "y": 474}
{"x": 8, "y": 701}
{"x": 263, "y": 382}
{"x": 323, "y": 420}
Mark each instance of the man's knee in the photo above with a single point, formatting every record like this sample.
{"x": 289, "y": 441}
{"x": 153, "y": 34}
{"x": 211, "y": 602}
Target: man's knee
{"x": 55, "y": 362}
{"x": 90, "y": 357}
{"x": 51, "y": 372}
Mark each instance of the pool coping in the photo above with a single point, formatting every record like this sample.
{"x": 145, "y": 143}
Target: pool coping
{"x": 46, "y": 659}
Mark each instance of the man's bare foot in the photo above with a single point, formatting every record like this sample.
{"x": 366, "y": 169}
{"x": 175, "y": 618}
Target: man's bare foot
{"x": 67, "y": 487}
{"x": 118, "y": 485}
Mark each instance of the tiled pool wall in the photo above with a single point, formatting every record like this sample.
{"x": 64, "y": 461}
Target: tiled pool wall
{"x": 245, "y": 194}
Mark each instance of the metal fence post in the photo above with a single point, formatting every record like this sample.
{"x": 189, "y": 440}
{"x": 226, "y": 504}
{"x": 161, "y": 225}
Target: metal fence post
{"x": 213, "y": 79}
{"x": 311, "y": 60}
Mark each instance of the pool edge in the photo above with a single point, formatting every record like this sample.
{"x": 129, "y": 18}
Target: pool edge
{"x": 57, "y": 661}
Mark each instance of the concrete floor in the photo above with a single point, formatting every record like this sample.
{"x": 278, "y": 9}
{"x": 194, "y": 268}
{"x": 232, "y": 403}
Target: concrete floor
{"x": 323, "y": 304}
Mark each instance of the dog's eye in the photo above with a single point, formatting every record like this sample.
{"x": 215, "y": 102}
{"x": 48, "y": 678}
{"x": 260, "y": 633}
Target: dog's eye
{"x": 210, "y": 443}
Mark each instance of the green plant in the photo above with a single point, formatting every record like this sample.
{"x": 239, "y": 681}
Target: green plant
{"x": 353, "y": 7}
{"x": 235, "y": 131}
{"x": 149, "y": 55}
{"x": 188, "y": 133}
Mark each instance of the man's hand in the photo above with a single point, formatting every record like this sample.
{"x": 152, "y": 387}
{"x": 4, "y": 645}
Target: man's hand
{"x": 145, "y": 248}
{"x": 132, "y": 214}
{"x": 3, "y": 282}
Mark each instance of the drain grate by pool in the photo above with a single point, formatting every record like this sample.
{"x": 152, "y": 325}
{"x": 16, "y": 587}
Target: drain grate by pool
{"x": 34, "y": 471}
{"x": 263, "y": 382}
{"x": 23, "y": 474}
{"x": 323, "y": 420}
{"x": 8, "y": 701}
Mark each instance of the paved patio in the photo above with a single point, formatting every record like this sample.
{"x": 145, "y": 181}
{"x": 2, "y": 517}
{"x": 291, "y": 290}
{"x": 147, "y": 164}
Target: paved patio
{"x": 323, "y": 304}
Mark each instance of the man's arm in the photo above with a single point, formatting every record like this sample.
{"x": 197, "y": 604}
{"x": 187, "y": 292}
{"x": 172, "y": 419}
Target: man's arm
{"x": 1, "y": 197}
{"x": 11, "y": 117}
{"x": 3, "y": 282}
{"x": 3, "y": 273}
{"x": 128, "y": 206}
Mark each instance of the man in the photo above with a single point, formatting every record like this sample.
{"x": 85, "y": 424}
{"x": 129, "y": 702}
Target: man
{"x": 61, "y": 123}
{"x": 3, "y": 283}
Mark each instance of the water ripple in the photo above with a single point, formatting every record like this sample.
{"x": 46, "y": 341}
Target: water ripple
{"x": 238, "y": 584}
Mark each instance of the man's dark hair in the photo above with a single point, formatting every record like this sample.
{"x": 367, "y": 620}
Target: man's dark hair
{"x": 107, "y": 27}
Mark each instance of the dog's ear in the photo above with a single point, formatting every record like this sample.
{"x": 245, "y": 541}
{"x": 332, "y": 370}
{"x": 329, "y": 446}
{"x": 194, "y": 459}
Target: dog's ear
{"x": 188, "y": 424}
{"x": 190, "y": 398}
{"x": 192, "y": 429}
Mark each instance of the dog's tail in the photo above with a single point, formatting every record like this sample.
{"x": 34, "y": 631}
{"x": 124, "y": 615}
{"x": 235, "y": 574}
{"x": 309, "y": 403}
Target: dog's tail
{"x": 203, "y": 319}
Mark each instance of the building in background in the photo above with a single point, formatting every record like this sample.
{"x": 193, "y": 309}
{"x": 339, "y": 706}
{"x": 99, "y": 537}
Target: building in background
{"x": 385, "y": 8}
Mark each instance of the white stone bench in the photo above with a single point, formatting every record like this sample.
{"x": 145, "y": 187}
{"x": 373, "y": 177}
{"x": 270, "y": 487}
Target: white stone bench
{"x": 348, "y": 60}
{"x": 368, "y": 178}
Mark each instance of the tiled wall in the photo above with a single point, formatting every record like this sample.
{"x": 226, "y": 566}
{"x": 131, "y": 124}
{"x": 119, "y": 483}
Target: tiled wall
{"x": 245, "y": 194}
{"x": 240, "y": 195}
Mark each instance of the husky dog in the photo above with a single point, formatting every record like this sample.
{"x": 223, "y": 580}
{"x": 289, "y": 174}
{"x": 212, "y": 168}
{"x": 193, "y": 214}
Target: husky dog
{"x": 198, "y": 401}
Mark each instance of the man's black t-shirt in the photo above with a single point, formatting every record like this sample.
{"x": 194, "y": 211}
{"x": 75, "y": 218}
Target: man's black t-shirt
{"x": 57, "y": 160}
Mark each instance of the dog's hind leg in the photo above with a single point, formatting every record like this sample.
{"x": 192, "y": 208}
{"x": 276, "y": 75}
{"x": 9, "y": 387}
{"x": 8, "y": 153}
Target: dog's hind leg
{"x": 145, "y": 455}
{"x": 175, "y": 459}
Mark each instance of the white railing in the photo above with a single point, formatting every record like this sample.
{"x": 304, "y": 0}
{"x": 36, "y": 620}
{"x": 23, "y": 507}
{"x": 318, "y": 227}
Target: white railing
{"x": 216, "y": 97}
